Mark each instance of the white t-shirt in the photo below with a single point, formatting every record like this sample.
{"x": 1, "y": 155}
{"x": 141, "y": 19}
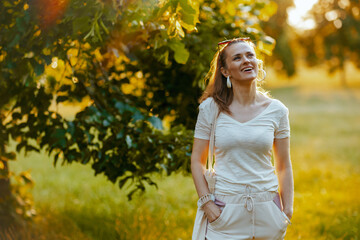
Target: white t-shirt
{"x": 243, "y": 150}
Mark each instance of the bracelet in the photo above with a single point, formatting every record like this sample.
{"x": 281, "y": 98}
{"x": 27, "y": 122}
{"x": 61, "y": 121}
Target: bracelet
{"x": 205, "y": 199}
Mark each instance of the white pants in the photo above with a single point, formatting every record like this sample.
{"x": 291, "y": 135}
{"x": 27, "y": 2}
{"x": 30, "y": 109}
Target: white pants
{"x": 248, "y": 216}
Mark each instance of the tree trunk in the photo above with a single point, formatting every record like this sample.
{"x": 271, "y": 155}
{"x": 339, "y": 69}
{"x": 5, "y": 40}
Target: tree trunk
{"x": 6, "y": 219}
{"x": 5, "y": 192}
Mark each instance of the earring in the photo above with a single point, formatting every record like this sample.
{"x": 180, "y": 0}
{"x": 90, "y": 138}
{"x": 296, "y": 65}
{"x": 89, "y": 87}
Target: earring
{"x": 228, "y": 82}
{"x": 264, "y": 75}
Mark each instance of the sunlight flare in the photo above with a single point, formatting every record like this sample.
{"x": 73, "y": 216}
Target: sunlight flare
{"x": 298, "y": 16}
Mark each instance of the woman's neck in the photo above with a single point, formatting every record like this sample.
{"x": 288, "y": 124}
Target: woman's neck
{"x": 245, "y": 94}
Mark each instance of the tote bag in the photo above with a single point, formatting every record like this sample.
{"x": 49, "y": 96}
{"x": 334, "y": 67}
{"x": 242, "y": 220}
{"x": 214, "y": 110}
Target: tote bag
{"x": 200, "y": 225}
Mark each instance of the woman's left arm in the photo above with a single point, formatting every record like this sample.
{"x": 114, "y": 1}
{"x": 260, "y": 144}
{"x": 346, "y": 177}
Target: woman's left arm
{"x": 285, "y": 175}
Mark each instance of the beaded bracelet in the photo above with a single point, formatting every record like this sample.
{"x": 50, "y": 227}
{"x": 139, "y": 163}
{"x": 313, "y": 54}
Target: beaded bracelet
{"x": 204, "y": 199}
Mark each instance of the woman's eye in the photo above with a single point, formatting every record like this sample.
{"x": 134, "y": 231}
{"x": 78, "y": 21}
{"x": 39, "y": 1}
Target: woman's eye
{"x": 236, "y": 58}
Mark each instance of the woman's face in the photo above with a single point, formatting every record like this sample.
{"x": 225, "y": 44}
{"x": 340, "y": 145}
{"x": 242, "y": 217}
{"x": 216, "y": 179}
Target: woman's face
{"x": 241, "y": 62}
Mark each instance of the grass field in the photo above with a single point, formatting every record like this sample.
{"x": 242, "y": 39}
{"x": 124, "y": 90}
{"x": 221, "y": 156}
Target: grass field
{"x": 325, "y": 149}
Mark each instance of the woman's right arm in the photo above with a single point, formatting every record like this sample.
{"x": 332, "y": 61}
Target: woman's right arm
{"x": 198, "y": 163}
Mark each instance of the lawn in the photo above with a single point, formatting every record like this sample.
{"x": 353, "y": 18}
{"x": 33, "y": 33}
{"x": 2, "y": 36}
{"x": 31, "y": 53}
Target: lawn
{"x": 325, "y": 149}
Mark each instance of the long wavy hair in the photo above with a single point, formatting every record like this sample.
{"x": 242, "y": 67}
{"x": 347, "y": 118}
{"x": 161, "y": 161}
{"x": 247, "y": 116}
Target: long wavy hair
{"x": 216, "y": 87}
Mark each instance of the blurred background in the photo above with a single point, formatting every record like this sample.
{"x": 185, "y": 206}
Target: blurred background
{"x": 99, "y": 100}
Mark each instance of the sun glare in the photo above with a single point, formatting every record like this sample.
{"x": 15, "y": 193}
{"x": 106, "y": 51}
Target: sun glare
{"x": 298, "y": 15}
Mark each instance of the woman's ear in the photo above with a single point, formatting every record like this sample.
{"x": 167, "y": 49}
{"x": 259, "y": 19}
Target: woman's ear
{"x": 224, "y": 72}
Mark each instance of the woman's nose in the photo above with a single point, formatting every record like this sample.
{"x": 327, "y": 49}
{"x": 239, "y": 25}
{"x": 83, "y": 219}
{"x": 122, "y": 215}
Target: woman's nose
{"x": 246, "y": 59}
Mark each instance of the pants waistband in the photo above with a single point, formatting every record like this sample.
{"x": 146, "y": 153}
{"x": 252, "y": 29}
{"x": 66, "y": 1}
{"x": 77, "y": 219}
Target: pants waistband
{"x": 242, "y": 197}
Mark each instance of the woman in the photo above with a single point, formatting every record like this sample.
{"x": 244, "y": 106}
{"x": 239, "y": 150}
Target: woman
{"x": 250, "y": 200}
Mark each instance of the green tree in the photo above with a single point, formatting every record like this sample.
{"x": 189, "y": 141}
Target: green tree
{"x": 279, "y": 29}
{"x": 134, "y": 63}
{"x": 336, "y": 36}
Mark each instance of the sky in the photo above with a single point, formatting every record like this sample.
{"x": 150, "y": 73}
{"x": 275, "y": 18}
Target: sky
{"x": 297, "y": 14}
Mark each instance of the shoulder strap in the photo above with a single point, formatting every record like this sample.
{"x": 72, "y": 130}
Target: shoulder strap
{"x": 211, "y": 155}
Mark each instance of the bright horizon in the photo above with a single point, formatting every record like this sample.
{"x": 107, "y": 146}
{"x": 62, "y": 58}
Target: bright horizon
{"x": 297, "y": 15}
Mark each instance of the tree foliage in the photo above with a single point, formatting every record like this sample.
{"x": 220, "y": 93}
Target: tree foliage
{"x": 131, "y": 63}
{"x": 336, "y": 37}
{"x": 282, "y": 58}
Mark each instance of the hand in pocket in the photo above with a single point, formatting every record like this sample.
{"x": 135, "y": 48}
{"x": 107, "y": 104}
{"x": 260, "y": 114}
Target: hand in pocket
{"x": 212, "y": 211}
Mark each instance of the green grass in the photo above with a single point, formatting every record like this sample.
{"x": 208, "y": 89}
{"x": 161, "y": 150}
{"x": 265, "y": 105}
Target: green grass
{"x": 325, "y": 149}
{"x": 326, "y": 161}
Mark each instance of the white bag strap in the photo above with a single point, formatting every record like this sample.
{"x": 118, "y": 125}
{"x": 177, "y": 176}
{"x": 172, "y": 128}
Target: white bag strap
{"x": 211, "y": 154}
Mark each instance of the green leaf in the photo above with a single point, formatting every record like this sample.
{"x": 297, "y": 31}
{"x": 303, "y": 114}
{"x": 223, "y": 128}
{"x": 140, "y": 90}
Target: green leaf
{"x": 156, "y": 122}
{"x": 39, "y": 69}
{"x": 123, "y": 181}
{"x": 20, "y": 24}
{"x": 11, "y": 155}
{"x": 59, "y": 135}
{"x": 189, "y": 15}
{"x": 47, "y": 58}
{"x": 179, "y": 29}
{"x": 71, "y": 128}
{"x": 14, "y": 41}
{"x": 137, "y": 116}
{"x": 128, "y": 141}
{"x": 163, "y": 9}
{"x": 61, "y": 98}
{"x": 120, "y": 134}
{"x": 64, "y": 88}
{"x": 188, "y": 22}
{"x": 90, "y": 33}
{"x": 103, "y": 26}
{"x": 56, "y": 158}
{"x": 120, "y": 106}
{"x": 80, "y": 24}
{"x": 187, "y": 7}
{"x": 130, "y": 195}
{"x": 106, "y": 123}
{"x": 31, "y": 148}
{"x": 97, "y": 31}
{"x": 181, "y": 53}
{"x": 21, "y": 145}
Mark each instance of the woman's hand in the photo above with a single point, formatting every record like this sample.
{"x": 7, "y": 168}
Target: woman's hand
{"x": 212, "y": 211}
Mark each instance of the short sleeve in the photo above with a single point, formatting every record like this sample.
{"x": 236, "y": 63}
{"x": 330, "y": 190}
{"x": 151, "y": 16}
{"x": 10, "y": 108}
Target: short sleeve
{"x": 203, "y": 123}
{"x": 283, "y": 130}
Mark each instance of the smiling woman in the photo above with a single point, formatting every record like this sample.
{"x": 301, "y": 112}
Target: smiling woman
{"x": 240, "y": 196}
